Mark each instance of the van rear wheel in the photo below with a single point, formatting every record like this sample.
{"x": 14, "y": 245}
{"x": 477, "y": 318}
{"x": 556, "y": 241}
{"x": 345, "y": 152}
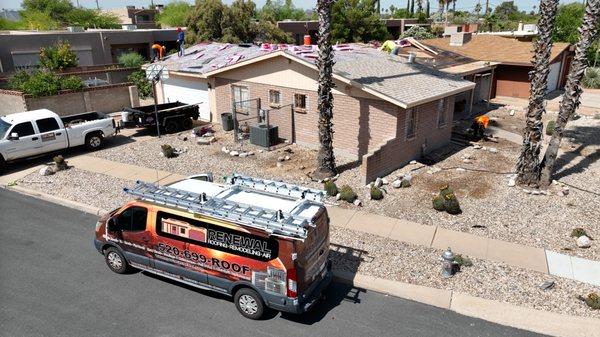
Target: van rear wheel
{"x": 249, "y": 303}
{"x": 116, "y": 261}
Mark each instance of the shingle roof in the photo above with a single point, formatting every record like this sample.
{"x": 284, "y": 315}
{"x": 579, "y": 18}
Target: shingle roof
{"x": 379, "y": 73}
{"x": 484, "y": 47}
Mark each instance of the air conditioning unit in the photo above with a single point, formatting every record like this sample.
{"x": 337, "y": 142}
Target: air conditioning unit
{"x": 75, "y": 29}
{"x": 129, "y": 27}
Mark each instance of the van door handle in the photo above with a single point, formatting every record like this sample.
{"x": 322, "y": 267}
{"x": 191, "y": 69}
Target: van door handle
{"x": 34, "y": 138}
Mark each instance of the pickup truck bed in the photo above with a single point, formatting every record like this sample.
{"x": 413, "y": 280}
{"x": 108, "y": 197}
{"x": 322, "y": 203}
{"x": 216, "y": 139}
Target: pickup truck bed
{"x": 172, "y": 117}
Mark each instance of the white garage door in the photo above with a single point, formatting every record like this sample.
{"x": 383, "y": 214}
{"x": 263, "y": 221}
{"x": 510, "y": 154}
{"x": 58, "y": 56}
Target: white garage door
{"x": 189, "y": 91}
{"x": 553, "y": 76}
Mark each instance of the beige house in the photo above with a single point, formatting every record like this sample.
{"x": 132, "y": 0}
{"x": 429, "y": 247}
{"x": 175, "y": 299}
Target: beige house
{"x": 386, "y": 111}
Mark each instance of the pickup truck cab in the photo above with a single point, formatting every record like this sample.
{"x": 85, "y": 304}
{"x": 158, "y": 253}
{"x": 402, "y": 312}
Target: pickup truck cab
{"x": 31, "y": 133}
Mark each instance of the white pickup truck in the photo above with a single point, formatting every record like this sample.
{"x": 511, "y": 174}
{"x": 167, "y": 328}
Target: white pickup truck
{"x": 31, "y": 133}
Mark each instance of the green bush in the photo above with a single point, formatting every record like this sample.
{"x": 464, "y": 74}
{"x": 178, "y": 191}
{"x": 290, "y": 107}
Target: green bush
{"x": 144, "y": 86}
{"x": 18, "y": 79}
{"x": 550, "y": 128}
{"x": 71, "y": 83}
{"x": 347, "y": 194}
{"x": 376, "y": 193}
{"x": 330, "y": 188}
{"x": 592, "y": 78}
{"x": 462, "y": 261}
{"x": 58, "y": 57}
{"x": 592, "y": 300}
{"x": 131, "y": 60}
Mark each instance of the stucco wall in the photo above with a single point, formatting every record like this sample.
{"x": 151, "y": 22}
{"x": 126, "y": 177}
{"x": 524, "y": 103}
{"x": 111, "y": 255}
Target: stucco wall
{"x": 11, "y": 101}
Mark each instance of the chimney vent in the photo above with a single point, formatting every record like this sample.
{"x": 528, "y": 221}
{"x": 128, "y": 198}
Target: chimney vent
{"x": 460, "y": 39}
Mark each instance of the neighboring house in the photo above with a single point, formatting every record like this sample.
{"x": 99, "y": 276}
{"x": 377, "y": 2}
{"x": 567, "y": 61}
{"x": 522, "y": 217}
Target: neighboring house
{"x": 143, "y": 18}
{"x": 386, "y": 111}
{"x": 20, "y": 49}
{"x": 511, "y": 77}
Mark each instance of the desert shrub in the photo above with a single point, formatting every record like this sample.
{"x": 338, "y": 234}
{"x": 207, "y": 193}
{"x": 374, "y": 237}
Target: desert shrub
{"x": 330, "y": 188}
{"x": 550, "y": 128}
{"x": 347, "y": 194}
{"x": 131, "y": 60}
{"x": 592, "y": 300}
{"x": 58, "y": 57}
{"x": 376, "y": 193}
{"x": 577, "y": 232}
{"x": 168, "y": 151}
{"x": 41, "y": 83}
{"x": 16, "y": 81}
{"x": 462, "y": 261}
{"x": 144, "y": 86}
{"x": 592, "y": 78}
{"x": 60, "y": 163}
{"x": 70, "y": 83}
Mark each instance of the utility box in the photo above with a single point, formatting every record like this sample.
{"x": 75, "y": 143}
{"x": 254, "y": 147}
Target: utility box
{"x": 261, "y": 136}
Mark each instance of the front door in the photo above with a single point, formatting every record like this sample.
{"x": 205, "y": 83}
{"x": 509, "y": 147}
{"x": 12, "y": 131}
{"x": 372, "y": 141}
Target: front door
{"x": 134, "y": 236}
{"x": 26, "y": 145}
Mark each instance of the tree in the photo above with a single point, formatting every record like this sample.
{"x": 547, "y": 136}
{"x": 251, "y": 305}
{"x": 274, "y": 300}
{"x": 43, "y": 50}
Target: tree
{"x": 325, "y": 157}
{"x": 568, "y": 20}
{"x": 412, "y": 8}
{"x": 269, "y": 32}
{"x": 238, "y": 22}
{"x": 174, "y": 14}
{"x": 279, "y": 10}
{"x": 419, "y": 6}
{"x": 507, "y": 11}
{"x": 528, "y": 164}
{"x": 91, "y": 18}
{"x": 57, "y": 9}
{"x": 428, "y": 10}
{"x": 204, "y": 22}
{"x": 356, "y": 21}
{"x": 570, "y": 100}
{"x": 36, "y": 20}
{"x": 417, "y": 32}
{"x": 477, "y": 9}
{"x": 58, "y": 57}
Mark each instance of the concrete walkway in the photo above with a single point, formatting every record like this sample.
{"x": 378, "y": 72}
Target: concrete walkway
{"x": 536, "y": 259}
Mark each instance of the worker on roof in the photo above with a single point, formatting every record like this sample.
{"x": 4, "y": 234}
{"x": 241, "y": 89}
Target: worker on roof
{"x": 158, "y": 52}
{"x": 180, "y": 42}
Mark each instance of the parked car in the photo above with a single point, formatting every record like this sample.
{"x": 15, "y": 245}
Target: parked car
{"x": 31, "y": 133}
{"x": 172, "y": 117}
{"x": 264, "y": 243}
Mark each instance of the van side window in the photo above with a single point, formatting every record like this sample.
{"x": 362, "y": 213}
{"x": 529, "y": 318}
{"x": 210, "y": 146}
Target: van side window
{"x": 133, "y": 219}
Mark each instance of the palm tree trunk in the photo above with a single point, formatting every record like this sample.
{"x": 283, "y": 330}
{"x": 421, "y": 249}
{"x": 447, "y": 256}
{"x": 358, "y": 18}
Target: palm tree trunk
{"x": 570, "y": 99}
{"x": 528, "y": 164}
{"x": 325, "y": 157}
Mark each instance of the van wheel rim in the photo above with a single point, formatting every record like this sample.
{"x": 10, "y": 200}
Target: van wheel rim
{"x": 248, "y": 304}
{"x": 114, "y": 260}
{"x": 95, "y": 141}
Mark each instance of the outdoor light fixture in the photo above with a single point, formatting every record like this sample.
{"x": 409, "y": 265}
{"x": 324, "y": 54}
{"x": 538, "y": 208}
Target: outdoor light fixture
{"x": 447, "y": 263}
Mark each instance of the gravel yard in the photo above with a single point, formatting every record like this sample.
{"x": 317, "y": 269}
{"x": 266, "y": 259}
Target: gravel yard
{"x": 369, "y": 254}
{"x": 479, "y": 178}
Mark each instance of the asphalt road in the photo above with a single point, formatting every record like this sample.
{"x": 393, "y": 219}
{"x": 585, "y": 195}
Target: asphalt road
{"x": 54, "y": 283}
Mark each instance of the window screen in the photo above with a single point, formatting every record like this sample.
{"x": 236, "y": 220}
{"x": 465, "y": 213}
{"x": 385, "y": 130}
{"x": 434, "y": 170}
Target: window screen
{"x": 47, "y": 124}
{"x": 23, "y": 129}
{"x": 300, "y": 101}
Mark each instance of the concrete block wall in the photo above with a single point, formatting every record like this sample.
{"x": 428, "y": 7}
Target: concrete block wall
{"x": 11, "y": 102}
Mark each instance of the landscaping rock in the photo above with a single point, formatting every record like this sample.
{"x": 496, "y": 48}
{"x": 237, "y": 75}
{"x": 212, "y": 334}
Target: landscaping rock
{"x": 205, "y": 140}
{"x": 535, "y": 192}
{"x": 512, "y": 112}
{"x": 243, "y": 155}
{"x": 397, "y": 183}
{"x": 378, "y": 182}
{"x": 460, "y": 169}
{"x": 47, "y": 171}
{"x": 477, "y": 146}
{"x": 224, "y": 149}
{"x": 286, "y": 158}
{"x": 234, "y": 153}
{"x": 280, "y": 159}
{"x": 511, "y": 182}
{"x": 406, "y": 181}
{"x": 467, "y": 161}
{"x": 250, "y": 153}
{"x": 384, "y": 181}
{"x": 547, "y": 285}
{"x": 279, "y": 164}
{"x": 338, "y": 196}
{"x": 584, "y": 242}
{"x": 493, "y": 150}
{"x": 357, "y": 203}
{"x": 413, "y": 162}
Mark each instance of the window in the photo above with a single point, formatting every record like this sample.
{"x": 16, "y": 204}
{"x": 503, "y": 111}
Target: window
{"x": 133, "y": 219}
{"x": 47, "y": 125}
{"x": 274, "y": 97}
{"x": 300, "y": 102}
{"x": 411, "y": 123}
{"x": 441, "y": 112}
{"x": 241, "y": 98}
{"x": 142, "y": 18}
{"x": 23, "y": 129}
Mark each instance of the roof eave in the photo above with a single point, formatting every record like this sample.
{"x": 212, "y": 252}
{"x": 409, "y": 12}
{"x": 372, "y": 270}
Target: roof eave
{"x": 439, "y": 96}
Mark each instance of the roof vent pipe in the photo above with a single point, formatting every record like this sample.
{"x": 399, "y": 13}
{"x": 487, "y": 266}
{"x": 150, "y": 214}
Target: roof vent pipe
{"x": 411, "y": 57}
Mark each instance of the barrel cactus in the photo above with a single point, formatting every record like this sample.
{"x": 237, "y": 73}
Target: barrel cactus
{"x": 438, "y": 204}
{"x": 330, "y": 188}
{"x": 347, "y": 194}
{"x": 167, "y": 151}
{"x": 376, "y": 193}
{"x": 451, "y": 204}
{"x": 446, "y": 201}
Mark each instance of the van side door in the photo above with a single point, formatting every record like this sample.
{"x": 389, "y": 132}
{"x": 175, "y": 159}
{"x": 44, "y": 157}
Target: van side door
{"x": 135, "y": 234}
{"x": 27, "y": 144}
{"x": 52, "y": 135}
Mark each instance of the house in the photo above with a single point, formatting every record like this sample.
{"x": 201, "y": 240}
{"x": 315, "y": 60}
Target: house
{"x": 20, "y": 49}
{"x": 511, "y": 76}
{"x": 143, "y": 18}
{"x": 387, "y": 111}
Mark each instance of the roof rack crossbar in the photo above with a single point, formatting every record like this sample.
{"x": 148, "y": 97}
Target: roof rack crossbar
{"x": 276, "y": 222}
{"x": 279, "y": 188}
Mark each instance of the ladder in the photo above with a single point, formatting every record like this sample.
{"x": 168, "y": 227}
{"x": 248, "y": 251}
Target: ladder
{"x": 279, "y": 188}
{"x": 288, "y": 225}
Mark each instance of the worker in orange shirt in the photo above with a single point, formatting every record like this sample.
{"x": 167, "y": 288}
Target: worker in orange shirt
{"x": 158, "y": 52}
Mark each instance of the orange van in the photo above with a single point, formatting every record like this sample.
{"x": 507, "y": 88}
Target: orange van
{"x": 264, "y": 243}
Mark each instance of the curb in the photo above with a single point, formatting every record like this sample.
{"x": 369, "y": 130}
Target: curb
{"x": 539, "y": 321}
{"x": 56, "y": 200}
{"x": 544, "y": 322}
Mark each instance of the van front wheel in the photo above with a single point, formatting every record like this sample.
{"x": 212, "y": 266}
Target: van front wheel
{"x": 116, "y": 261}
{"x": 249, "y": 303}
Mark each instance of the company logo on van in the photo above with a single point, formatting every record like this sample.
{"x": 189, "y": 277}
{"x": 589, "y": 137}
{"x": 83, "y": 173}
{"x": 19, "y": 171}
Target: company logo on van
{"x": 239, "y": 243}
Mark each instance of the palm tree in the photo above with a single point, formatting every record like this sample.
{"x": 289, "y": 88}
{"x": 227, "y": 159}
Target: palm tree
{"x": 419, "y": 6}
{"x": 528, "y": 164}
{"x": 427, "y": 10}
{"x": 570, "y": 99}
{"x": 325, "y": 157}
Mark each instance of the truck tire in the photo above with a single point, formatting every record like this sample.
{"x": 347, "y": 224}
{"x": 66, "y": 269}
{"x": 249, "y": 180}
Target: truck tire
{"x": 187, "y": 123}
{"x": 94, "y": 141}
{"x": 171, "y": 126}
{"x": 116, "y": 261}
{"x": 249, "y": 303}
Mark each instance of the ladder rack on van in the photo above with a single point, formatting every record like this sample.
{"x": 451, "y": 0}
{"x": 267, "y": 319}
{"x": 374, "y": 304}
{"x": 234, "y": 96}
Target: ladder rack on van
{"x": 290, "y": 225}
{"x": 279, "y": 188}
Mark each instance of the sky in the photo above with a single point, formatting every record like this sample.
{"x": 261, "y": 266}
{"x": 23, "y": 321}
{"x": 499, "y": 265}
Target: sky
{"x": 460, "y": 4}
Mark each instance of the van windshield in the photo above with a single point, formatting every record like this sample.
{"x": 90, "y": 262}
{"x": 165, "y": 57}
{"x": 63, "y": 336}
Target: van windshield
{"x": 4, "y": 126}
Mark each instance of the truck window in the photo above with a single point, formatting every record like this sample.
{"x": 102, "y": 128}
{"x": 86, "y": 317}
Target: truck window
{"x": 47, "y": 124}
{"x": 133, "y": 219}
{"x": 23, "y": 129}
